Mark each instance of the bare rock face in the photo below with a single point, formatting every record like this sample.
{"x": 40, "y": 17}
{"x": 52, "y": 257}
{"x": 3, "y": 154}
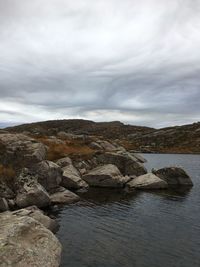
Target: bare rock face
{"x": 126, "y": 163}
{"x": 71, "y": 176}
{"x": 39, "y": 216}
{"x": 20, "y": 150}
{"x": 3, "y": 205}
{"x": 63, "y": 162}
{"x": 146, "y": 181}
{"x": 64, "y": 196}
{"x": 30, "y": 192}
{"x": 174, "y": 176}
{"x": 106, "y": 176}
{"x": 49, "y": 175}
{"x": 26, "y": 242}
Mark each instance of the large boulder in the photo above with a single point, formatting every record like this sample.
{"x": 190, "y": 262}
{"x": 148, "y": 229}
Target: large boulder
{"x": 39, "y": 216}
{"x": 49, "y": 175}
{"x": 174, "y": 176}
{"x": 71, "y": 176}
{"x": 26, "y": 242}
{"x": 20, "y": 150}
{"x": 106, "y": 176}
{"x": 146, "y": 181}
{"x": 30, "y": 192}
{"x": 126, "y": 163}
{"x": 64, "y": 196}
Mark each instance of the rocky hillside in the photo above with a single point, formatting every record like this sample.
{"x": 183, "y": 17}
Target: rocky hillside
{"x": 111, "y": 130}
{"x": 177, "y": 139}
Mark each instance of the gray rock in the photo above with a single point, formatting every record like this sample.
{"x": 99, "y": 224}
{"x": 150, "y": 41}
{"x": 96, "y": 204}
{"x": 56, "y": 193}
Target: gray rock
{"x": 106, "y": 176}
{"x": 63, "y": 162}
{"x": 126, "y": 163}
{"x": 30, "y": 192}
{"x": 49, "y": 175}
{"x": 174, "y": 176}
{"x": 71, "y": 178}
{"x": 3, "y": 205}
{"x": 20, "y": 150}
{"x": 64, "y": 197}
{"x": 39, "y": 216}
{"x": 146, "y": 181}
{"x": 26, "y": 242}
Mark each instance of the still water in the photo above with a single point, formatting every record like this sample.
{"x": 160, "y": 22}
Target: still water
{"x": 112, "y": 229}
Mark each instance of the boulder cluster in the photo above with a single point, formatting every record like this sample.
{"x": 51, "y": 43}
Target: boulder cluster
{"x": 30, "y": 181}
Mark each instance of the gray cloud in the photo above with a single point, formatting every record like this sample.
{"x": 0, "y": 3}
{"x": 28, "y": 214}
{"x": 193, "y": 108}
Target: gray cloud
{"x": 134, "y": 61}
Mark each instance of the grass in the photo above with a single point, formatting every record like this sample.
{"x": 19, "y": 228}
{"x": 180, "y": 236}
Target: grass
{"x": 72, "y": 148}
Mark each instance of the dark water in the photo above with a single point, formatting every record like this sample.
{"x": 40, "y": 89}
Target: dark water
{"x": 112, "y": 229}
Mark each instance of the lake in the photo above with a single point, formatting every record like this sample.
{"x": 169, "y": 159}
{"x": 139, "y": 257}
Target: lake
{"x": 109, "y": 228}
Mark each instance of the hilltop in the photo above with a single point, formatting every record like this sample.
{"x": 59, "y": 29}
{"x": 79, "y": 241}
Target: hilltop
{"x": 177, "y": 139}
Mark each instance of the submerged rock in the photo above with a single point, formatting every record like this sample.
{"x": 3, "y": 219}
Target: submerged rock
{"x": 106, "y": 176}
{"x": 146, "y": 181}
{"x": 26, "y": 242}
{"x": 174, "y": 176}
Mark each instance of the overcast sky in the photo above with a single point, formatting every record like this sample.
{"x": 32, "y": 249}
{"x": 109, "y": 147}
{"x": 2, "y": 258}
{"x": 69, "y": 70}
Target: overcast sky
{"x": 133, "y": 61}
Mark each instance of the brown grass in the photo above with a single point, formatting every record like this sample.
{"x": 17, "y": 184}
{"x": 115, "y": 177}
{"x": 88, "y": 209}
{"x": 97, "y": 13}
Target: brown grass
{"x": 72, "y": 148}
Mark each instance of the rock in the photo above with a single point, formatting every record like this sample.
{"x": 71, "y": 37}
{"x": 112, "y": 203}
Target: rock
{"x": 26, "y": 242}
{"x": 30, "y": 192}
{"x": 63, "y": 162}
{"x": 3, "y": 205}
{"x": 139, "y": 157}
{"x": 20, "y": 151}
{"x": 64, "y": 197}
{"x": 126, "y": 163}
{"x": 174, "y": 176}
{"x": 39, "y": 216}
{"x": 95, "y": 146}
{"x": 71, "y": 178}
{"x": 106, "y": 176}
{"x": 146, "y": 181}
{"x": 5, "y": 191}
{"x": 107, "y": 146}
{"x": 49, "y": 175}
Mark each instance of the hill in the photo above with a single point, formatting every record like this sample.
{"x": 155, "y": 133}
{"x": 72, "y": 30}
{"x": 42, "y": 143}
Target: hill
{"x": 177, "y": 139}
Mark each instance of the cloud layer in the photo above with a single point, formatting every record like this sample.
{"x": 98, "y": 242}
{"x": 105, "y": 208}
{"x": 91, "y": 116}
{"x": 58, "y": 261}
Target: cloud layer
{"x": 134, "y": 61}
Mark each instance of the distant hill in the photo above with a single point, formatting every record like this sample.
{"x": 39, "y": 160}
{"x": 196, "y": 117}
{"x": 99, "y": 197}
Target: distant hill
{"x": 111, "y": 130}
{"x": 177, "y": 139}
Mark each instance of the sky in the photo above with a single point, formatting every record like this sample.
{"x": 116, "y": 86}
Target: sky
{"x": 133, "y": 61}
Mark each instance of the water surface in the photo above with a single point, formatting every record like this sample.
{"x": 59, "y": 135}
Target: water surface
{"x": 109, "y": 228}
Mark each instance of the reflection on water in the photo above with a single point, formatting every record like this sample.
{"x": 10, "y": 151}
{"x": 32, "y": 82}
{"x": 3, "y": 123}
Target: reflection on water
{"x": 110, "y": 228}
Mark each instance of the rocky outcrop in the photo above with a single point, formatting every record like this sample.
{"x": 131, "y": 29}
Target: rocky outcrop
{"x": 29, "y": 191}
{"x": 106, "y": 176}
{"x": 64, "y": 196}
{"x": 71, "y": 177}
{"x": 174, "y": 176}
{"x": 126, "y": 163}
{"x": 20, "y": 150}
{"x": 39, "y": 216}
{"x": 49, "y": 175}
{"x": 146, "y": 181}
{"x": 26, "y": 242}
